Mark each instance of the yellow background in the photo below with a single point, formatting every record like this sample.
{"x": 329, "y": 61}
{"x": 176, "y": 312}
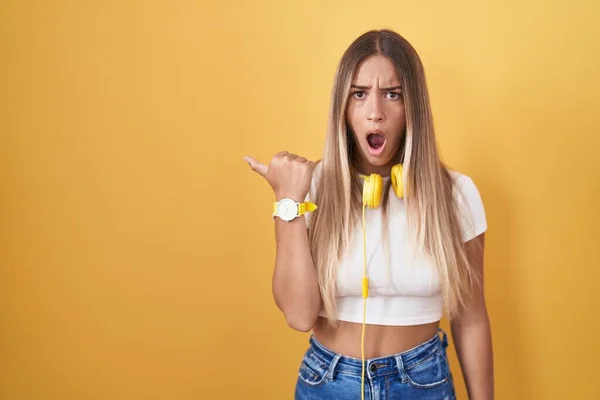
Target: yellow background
{"x": 137, "y": 246}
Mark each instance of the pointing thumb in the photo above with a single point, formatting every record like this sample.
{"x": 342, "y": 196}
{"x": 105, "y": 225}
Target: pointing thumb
{"x": 256, "y": 166}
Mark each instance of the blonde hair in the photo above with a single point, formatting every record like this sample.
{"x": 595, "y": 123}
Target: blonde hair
{"x": 431, "y": 209}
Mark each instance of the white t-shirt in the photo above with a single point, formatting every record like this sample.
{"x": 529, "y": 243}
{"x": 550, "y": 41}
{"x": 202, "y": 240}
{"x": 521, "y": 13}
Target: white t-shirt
{"x": 404, "y": 287}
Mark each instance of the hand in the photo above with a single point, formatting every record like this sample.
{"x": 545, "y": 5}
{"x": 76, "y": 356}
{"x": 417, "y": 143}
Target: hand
{"x": 288, "y": 174}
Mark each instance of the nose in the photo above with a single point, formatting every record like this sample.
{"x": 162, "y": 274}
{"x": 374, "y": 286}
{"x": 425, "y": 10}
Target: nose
{"x": 375, "y": 112}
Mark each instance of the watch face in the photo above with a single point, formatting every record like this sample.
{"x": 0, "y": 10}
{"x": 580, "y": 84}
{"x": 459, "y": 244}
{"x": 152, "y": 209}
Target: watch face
{"x": 287, "y": 209}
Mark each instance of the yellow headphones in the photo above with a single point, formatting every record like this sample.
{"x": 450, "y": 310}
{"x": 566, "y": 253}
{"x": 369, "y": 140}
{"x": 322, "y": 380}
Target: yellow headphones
{"x": 371, "y": 197}
{"x": 373, "y": 187}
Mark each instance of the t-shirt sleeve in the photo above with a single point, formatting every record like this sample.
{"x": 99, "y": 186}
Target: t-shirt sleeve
{"x": 312, "y": 192}
{"x": 470, "y": 207}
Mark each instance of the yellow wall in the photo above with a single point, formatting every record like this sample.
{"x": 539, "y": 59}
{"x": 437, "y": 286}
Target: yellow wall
{"x": 137, "y": 246}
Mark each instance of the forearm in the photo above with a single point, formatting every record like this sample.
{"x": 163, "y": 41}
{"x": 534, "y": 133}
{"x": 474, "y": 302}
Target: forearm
{"x": 473, "y": 343}
{"x": 295, "y": 284}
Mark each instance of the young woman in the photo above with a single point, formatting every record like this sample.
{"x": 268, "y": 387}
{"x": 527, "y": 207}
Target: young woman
{"x": 371, "y": 272}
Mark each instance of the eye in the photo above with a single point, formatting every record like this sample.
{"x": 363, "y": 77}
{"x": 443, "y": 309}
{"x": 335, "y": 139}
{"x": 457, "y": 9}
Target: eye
{"x": 359, "y": 95}
{"x": 394, "y": 95}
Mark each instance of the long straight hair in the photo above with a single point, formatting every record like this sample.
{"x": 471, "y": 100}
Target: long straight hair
{"x": 431, "y": 210}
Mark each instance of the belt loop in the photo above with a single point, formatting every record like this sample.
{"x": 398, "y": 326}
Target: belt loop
{"x": 400, "y": 366}
{"x": 444, "y": 337}
{"x": 332, "y": 366}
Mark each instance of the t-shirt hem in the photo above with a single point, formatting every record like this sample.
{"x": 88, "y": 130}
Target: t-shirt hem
{"x": 374, "y": 320}
{"x": 476, "y": 231}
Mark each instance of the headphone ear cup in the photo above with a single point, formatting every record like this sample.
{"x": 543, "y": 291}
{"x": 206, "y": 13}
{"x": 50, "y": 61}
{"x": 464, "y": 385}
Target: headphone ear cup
{"x": 373, "y": 190}
{"x": 397, "y": 180}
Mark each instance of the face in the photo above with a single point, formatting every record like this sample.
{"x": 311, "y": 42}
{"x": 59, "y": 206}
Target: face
{"x": 375, "y": 113}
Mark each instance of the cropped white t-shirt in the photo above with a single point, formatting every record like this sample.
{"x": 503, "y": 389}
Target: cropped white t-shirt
{"x": 404, "y": 287}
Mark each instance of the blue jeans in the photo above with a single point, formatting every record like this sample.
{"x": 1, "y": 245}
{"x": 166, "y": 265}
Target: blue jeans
{"x": 422, "y": 372}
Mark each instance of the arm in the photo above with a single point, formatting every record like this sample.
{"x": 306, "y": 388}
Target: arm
{"x": 295, "y": 285}
{"x": 471, "y": 334}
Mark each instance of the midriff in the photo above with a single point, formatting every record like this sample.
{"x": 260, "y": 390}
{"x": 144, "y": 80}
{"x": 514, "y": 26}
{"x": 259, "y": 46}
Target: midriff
{"x": 380, "y": 340}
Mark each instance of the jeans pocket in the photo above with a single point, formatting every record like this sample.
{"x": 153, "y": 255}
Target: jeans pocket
{"x": 431, "y": 372}
{"x": 313, "y": 369}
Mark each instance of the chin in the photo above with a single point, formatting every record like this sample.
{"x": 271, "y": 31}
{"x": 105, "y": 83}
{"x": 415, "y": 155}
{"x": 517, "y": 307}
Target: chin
{"x": 378, "y": 161}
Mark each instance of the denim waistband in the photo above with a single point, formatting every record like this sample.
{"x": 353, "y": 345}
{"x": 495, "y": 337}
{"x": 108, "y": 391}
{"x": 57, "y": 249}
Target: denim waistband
{"x": 379, "y": 366}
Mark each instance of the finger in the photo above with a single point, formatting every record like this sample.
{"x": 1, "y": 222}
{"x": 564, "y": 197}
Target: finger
{"x": 256, "y": 166}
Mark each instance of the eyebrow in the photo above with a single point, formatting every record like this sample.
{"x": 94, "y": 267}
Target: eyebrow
{"x": 369, "y": 87}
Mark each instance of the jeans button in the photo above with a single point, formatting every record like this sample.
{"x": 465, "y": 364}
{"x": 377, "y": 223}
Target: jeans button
{"x": 373, "y": 367}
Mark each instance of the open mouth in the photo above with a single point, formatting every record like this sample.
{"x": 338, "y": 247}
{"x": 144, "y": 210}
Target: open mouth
{"x": 376, "y": 142}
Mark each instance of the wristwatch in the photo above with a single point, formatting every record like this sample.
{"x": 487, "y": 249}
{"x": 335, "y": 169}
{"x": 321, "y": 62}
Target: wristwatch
{"x": 287, "y": 209}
